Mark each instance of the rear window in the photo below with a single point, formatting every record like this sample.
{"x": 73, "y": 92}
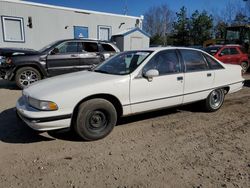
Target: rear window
{"x": 243, "y": 50}
{"x": 212, "y": 50}
{"x": 90, "y": 47}
{"x": 108, "y": 48}
{"x": 233, "y": 51}
{"x": 194, "y": 60}
{"x": 213, "y": 64}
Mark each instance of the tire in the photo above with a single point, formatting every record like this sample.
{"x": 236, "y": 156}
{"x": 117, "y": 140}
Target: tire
{"x": 244, "y": 66}
{"x": 214, "y": 100}
{"x": 96, "y": 118}
{"x": 25, "y": 76}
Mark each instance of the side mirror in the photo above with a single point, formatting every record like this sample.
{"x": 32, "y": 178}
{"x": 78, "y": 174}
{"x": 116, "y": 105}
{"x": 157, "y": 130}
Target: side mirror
{"x": 221, "y": 54}
{"x": 54, "y": 51}
{"x": 150, "y": 74}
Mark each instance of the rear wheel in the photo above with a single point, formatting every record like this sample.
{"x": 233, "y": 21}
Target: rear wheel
{"x": 25, "y": 76}
{"x": 244, "y": 66}
{"x": 96, "y": 119}
{"x": 214, "y": 100}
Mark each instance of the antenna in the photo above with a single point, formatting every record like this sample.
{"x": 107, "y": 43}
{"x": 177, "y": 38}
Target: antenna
{"x": 125, "y": 7}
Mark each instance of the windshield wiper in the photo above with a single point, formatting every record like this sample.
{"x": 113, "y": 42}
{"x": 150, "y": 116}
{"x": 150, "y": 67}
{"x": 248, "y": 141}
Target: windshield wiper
{"x": 101, "y": 71}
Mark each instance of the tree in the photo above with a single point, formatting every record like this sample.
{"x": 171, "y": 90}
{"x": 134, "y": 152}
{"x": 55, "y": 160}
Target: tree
{"x": 240, "y": 19}
{"x": 220, "y": 29}
{"x": 181, "y": 28}
{"x": 157, "y": 22}
{"x": 201, "y": 25}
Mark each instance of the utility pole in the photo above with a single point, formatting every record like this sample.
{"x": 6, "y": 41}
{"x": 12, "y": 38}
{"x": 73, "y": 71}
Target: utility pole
{"x": 125, "y": 7}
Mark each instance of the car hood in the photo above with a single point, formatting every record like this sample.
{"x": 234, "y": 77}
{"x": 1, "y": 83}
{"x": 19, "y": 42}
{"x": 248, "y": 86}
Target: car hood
{"x": 80, "y": 82}
{"x": 17, "y": 52}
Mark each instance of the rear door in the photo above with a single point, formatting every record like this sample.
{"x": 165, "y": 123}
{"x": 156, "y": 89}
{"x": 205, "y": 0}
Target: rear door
{"x": 64, "y": 58}
{"x": 198, "y": 78}
{"x": 90, "y": 55}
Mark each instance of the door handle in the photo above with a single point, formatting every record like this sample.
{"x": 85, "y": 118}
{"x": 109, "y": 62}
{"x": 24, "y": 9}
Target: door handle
{"x": 209, "y": 74}
{"x": 179, "y": 78}
{"x": 73, "y": 55}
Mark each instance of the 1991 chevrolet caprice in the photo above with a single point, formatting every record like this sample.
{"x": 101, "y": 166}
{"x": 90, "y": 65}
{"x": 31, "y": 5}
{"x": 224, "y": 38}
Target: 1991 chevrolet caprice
{"x": 129, "y": 83}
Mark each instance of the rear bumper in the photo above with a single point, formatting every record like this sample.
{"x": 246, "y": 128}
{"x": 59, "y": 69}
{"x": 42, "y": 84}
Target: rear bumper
{"x": 236, "y": 86}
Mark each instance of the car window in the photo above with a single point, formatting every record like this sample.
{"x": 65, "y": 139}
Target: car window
{"x": 166, "y": 62}
{"x": 90, "y": 46}
{"x": 108, "y": 48}
{"x": 213, "y": 64}
{"x": 193, "y": 60}
{"x": 225, "y": 51}
{"x": 212, "y": 50}
{"x": 233, "y": 51}
{"x": 123, "y": 63}
{"x": 243, "y": 50}
{"x": 67, "y": 47}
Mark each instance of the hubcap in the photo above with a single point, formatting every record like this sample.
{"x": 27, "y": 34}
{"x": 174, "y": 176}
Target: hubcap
{"x": 216, "y": 99}
{"x": 28, "y": 77}
{"x": 97, "y": 120}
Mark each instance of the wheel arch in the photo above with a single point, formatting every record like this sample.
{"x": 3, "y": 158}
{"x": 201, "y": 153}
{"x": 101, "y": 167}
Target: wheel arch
{"x": 111, "y": 98}
{"x": 33, "y": 65}
{"x": 226, "y": 89}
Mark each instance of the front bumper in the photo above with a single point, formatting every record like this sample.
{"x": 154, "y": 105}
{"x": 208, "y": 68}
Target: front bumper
{"x": 6, "y": 71}
{"x": 38, "y": 121}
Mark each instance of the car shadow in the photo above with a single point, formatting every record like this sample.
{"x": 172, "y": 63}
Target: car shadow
{"x": 13, "y": 130}
{"x": 69, "y": 135}
{"x": 247, "y": 83}
{"x": 5, "y": 84}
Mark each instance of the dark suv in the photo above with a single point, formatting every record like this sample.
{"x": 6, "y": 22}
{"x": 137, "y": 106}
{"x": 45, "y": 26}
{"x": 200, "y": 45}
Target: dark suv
{"x": 64, "y": 56}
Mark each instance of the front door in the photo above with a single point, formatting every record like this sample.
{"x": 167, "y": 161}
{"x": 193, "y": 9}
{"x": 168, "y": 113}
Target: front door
{"x": 63, "y": 59}
{"x": 162, "y": 91}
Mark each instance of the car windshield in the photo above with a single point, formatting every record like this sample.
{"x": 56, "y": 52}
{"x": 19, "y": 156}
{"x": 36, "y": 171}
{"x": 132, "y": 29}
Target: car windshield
{"x": 212, "y": 50}
{"x": 48, "y": 46}
{"x": 123, "y": 63}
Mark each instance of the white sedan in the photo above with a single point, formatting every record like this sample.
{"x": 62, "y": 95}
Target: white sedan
{"x": 129, "y": 83}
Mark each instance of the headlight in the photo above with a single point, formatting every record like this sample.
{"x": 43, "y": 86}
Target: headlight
{"x": 42, "y": 105}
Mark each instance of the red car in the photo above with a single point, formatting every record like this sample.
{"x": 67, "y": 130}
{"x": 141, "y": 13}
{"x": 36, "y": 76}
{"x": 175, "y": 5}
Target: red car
{"x": 233, "y": 54}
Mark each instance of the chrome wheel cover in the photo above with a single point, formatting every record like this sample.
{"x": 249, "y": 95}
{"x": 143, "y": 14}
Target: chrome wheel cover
{"x": 28, "y": 77}
{"x": 216, "y": 99}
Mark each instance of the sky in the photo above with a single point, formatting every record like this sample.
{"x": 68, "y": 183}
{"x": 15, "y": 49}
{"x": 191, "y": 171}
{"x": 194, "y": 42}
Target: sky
{"x": 139, "y": 7}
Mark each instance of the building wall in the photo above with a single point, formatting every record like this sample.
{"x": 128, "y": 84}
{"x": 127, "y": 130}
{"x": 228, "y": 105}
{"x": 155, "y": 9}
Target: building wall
{"x": 51, "y": 24}
{"x": 135, "y": 40}
{"x": 119, "y": 40}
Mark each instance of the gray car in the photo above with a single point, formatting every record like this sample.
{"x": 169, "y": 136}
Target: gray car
{"x": 28, "y": 66}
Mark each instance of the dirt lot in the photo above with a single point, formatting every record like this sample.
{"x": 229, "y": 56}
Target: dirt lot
{"x": 181, "y": 147}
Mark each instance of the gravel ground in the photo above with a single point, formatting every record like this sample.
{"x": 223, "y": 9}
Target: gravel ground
{"x": 180, "y": 147}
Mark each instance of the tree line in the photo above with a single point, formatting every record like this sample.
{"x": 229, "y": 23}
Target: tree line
{"x": 168, "y": 28}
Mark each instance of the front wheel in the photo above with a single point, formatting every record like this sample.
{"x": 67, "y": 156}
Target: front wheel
{"x": 25, "y": 76}
{"x": 96, "y": 119}
{"x": 214, "y": 100}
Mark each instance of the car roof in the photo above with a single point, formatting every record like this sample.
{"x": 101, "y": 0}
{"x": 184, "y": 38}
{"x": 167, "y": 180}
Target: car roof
{"x": 85, "y": 40}
{"x": 156, "y": 49}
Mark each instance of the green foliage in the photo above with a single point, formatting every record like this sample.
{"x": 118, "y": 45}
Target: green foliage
{"x": 201, "y": 27}
{"x": 181, "y": 28}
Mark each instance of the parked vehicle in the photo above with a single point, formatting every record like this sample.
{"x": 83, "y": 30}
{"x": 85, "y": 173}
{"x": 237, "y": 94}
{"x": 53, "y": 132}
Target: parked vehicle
{"x": 64, "y": 56}
{"x": 232, "y": 54}
{"x": 129, "y": 83}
